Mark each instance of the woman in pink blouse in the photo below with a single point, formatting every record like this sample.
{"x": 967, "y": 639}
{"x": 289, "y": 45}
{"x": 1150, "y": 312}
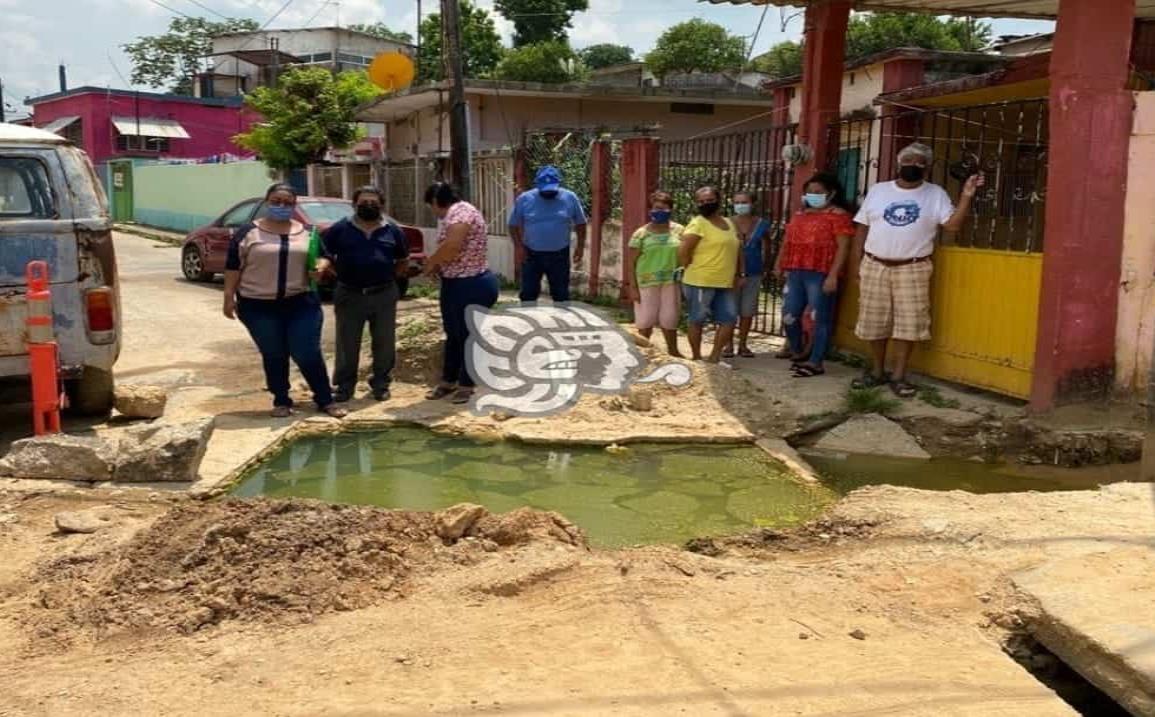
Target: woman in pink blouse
{"x": 460, "y": 261}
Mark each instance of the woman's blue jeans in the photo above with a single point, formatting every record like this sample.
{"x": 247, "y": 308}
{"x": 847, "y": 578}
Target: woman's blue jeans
{"x": 804, "y": 289}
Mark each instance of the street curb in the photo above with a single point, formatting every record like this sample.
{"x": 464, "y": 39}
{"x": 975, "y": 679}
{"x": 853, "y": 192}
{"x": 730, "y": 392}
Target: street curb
{"x": 141, "y": 230}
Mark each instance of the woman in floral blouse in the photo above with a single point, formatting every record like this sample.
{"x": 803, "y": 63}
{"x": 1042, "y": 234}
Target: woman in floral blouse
{"x": 460, "y": 261}
{"x": 812, "y": 258}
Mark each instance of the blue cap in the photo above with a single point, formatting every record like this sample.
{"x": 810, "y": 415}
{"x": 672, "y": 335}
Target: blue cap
{"x": 548, "y": 178}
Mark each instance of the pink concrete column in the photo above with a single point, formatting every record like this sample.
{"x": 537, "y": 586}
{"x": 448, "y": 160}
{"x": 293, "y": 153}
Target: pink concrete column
{"x": 822, "y": 68}
{"x": 599, "y": 209}
{"x": 639, "y": 181}
{"x": 897, "y": 131}
{"x": 780, "y": 111}
{"x": 1090, "y": 131}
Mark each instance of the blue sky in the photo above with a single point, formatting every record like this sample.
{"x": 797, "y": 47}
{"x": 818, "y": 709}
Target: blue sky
{"x": 86, "y": 35}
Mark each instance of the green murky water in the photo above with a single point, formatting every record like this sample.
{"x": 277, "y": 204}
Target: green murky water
{"x": 846, "y": 473}
{"x": 647, "y": 494}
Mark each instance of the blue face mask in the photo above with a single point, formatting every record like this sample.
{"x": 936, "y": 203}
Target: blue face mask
{"x": 660, "y": 216}
{"x": 279, "y": 213}
{"x": 815, "y": 201}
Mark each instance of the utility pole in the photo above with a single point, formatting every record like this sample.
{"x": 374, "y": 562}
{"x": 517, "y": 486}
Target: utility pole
{"x": 1, "y": 101}
{"x": 459, "y": 157}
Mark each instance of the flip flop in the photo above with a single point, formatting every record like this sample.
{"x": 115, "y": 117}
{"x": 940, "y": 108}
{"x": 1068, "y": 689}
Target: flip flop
{"x": 439, "y": 393}
{"x": 903, "y": 389}
{"x": 462, "y": 396}
{"x": 805, "y": 371}
{"x": 728, "y": 354}
{"x": 746, "y": 353}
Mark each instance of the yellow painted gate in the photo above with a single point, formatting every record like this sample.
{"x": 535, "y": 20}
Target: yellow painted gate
{"x": 985, "y": 291}
{"x": 985, "y": 316}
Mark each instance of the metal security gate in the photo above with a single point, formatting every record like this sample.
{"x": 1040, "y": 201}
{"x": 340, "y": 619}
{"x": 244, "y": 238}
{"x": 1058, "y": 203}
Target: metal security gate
{"x": 985, "y": 295}
{"x": 741, "y": 161}
{"x": 494, "y": 189}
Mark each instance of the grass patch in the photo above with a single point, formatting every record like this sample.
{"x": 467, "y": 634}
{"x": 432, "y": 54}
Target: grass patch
{"x": 415, "y": 328}
{"x": 851, "y": 360}
{"x": 423, "y": 290}
{"x": 871, "y": 400}
{"x": 930, "y": 395}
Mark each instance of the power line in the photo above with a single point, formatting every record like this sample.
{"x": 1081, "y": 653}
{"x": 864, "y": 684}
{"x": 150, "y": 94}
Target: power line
{"x": 324, "y": 5}
{"x": 202, "y": 6}
{"x": 172, "y": 10}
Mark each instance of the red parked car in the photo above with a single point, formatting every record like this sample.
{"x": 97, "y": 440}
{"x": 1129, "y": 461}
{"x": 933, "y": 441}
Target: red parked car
{"x": 205, "y": 249}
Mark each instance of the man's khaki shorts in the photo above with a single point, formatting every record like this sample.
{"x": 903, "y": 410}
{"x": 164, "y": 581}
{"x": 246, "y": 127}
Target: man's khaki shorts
{"x": 894, "y": 301}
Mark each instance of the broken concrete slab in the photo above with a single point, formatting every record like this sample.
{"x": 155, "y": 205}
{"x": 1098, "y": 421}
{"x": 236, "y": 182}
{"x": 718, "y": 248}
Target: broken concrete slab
{"x": 874, "y": 435}
{"x": 164, "y": 453}
{"x": 60, "y": 456}
{"x": 133, "y": 401}
{"x": 1096, "y": 612}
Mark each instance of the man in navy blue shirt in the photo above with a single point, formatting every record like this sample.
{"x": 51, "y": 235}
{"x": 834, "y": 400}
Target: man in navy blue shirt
{"x": 542, "y": 221}
{"x": 367, "y": 253}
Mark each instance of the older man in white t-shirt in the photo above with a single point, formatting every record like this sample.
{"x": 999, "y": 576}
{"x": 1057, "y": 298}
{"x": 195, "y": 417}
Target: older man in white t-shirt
{"x": 898, "y": 224}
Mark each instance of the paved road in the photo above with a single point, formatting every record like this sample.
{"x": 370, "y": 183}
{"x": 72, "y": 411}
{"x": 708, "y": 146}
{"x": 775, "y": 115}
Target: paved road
{"x": 174, "y": 332}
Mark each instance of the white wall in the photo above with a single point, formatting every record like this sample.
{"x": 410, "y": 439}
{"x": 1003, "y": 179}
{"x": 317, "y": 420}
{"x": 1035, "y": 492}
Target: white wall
{"x": 1135, "y": 329}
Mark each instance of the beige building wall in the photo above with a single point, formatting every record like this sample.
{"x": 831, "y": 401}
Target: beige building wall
{"x": 1135, "y": 332}
{"x": 496, "y": 122}
{"x": 859, "y": 88}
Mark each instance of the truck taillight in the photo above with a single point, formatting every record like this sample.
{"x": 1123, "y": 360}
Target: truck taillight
{"x": 101, "y": 306}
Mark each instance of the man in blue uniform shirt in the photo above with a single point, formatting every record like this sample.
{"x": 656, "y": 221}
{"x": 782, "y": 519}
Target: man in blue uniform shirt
{"x": 543, "y": 222}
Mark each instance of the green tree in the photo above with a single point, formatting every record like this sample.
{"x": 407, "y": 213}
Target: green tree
{"x": 872, "y": 33}
{"x": 972, "y": 35}
{"x": 782, "y": 60}
{"x": 551, "y": 62}
{"x": 480, "y": 43}
{"x": 172, "y": 60}
{"x": 606, "y": 55}
{"x": 309, "y": 111}
{"x": 537, "y": 21}
{"x": 383, "y": 31}
{"x": 696, "y": 46}
{"x": 875, "y": 32}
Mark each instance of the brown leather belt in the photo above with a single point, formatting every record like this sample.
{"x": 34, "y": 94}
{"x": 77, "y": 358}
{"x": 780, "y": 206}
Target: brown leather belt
{"x": 898, "y": 262}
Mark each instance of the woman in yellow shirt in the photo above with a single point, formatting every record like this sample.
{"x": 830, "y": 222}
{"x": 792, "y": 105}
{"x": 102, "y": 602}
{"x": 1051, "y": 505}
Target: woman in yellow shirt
{"x": 711, "y": 252}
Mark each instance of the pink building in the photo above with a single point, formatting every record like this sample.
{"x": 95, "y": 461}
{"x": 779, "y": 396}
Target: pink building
{"x": 124, "y": 124}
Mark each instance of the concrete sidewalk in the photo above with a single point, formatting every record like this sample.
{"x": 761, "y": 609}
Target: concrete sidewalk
{"x": 143, "y": 230}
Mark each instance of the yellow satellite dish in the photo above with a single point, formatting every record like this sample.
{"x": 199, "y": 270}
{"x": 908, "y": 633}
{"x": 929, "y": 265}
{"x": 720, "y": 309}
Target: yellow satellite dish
{"x": 391, "y": 71}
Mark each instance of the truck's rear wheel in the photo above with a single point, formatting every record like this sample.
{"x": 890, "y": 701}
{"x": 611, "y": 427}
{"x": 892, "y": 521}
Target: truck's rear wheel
{"x": 91, "y": 394}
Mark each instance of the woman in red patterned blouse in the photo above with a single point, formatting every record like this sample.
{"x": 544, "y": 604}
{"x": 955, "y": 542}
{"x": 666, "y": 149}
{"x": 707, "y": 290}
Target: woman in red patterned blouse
{"x": 812, "y": 258}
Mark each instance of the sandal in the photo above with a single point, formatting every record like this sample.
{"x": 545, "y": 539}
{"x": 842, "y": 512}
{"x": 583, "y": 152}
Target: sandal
{"x": 746, "y": 353}
{"x": 868, "y": 380}
{"x": 903, "y": 389}
{"x": 728, "y": 354}
{"x": 334, "y": 411}
{"x": 281, "y": 412}
{"x": 808, "y": 371}
{"x": 462, "y": 396}
{"x": 439, "y": 393}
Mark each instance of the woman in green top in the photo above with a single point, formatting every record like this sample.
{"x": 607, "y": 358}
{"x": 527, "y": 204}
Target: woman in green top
{"x": 652, "y": 261}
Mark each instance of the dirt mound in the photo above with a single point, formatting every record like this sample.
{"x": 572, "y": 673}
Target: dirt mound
{"x": 419, "y": 346}
{"x": 199, "y": 565}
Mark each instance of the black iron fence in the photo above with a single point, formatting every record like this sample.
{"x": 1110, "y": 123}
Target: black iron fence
{"x": 1006, "y": 141}
{"x": 742, "y": 161}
